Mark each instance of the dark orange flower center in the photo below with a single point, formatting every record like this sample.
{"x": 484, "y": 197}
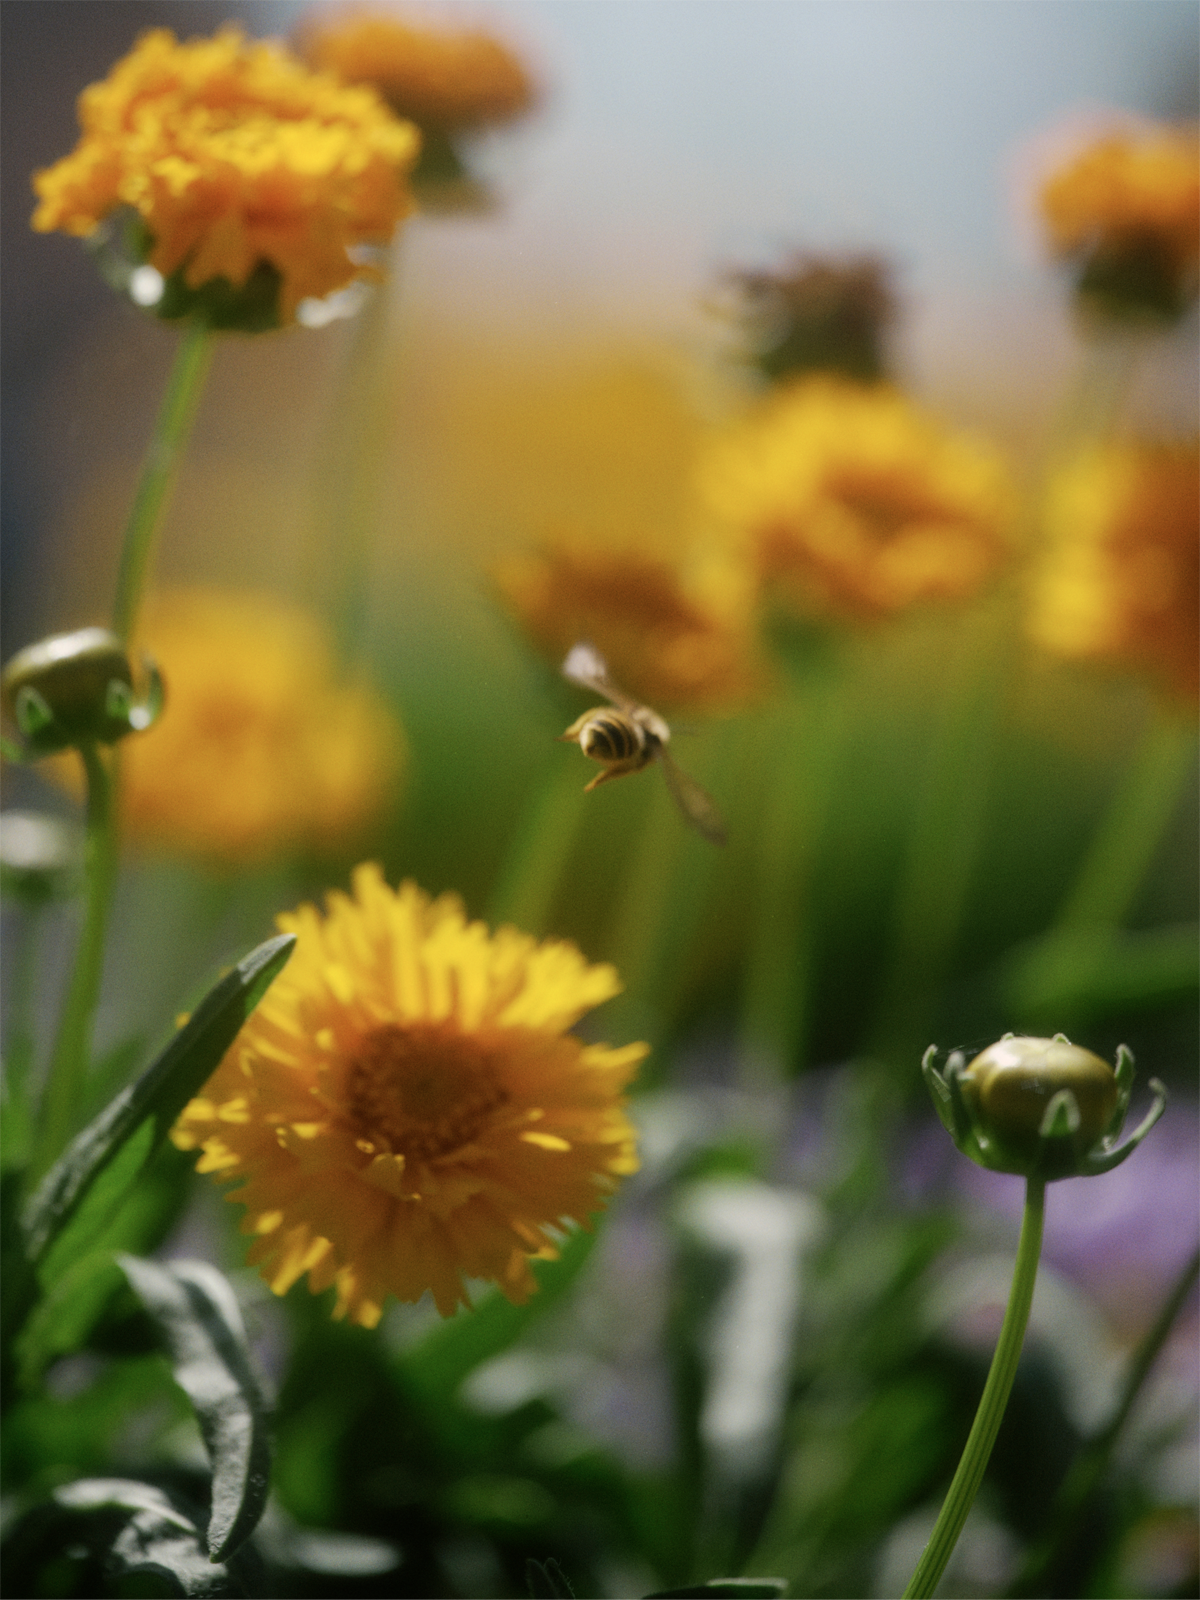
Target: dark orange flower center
{"x": 421, "y": 1092}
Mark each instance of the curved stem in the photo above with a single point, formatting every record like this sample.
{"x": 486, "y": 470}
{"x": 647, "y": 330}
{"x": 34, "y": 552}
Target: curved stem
{"x": 171, "y": 430}
{"x": 72, "y": 1046}
{"x": 965, "y": 1485}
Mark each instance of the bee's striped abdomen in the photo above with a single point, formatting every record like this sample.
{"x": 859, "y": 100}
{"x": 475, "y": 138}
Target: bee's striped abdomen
{"x": 611, "y": 736}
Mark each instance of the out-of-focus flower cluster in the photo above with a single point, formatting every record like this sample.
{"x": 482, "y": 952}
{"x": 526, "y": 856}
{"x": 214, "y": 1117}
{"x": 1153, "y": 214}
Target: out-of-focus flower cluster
{"x": 445, "y": 79}
{"x": 1119, "y": 581}
{"x": 1127, "y": 210}
{"x": 262, "y": 751}
{"x": 852, "y": 501}
{"x": 234, "y": 154}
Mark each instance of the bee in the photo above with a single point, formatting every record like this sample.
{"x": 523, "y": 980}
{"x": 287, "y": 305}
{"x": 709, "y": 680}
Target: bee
{"x": 625, "y": 737}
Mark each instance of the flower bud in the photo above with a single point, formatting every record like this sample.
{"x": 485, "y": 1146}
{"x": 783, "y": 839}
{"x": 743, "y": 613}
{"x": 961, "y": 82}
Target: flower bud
{"x": 1043, "y": 1108}
{"x": 75, "y": 688}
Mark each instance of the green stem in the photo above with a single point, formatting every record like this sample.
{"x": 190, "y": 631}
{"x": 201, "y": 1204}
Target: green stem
{"x": 1090, "y": 1464}
{"x": 171, "y": 430}
{"x": 19, "y": 1040}
{"x": 776, "y": 993}
{"x": 965, "y": 1485}
{"x": 351, "y": 467}
{"x": 944, "y": 840}
{"x": 1127, "y": 838}
{"x": 532, "y": 871}
{"x": 72, "y": 1046}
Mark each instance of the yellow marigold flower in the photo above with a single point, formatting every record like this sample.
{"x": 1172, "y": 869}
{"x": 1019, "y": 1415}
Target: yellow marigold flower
{"x": 664, "y": 640}
{"x": 259, "y": 750}
{"x": 405, "y": 1109}
{"x": 853, "y": 500}
{"x": 1128, "y": 206}
{"x": 1120, "y": 581}
{"x": 234, "y": 154}
{"x": 442, "y": 79}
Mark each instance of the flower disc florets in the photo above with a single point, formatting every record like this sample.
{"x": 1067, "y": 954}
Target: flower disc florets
{"x": 1044, "y": 1108}
{"x": 406, "y": 1109}
{"x": 239, "y": 162}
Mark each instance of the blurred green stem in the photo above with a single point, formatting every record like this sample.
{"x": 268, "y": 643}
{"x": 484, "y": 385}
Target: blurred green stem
{"x": 533, "y": 869}
{"x": 1089, "y": 1466}
{"x": 807, "y": 747}
{"x": 1128, "y": 836}
{"x": 72, "y": 1046}
{"x": 1104, "y": 378}
{"x": 965, "y": 1485}
{"x": 349, "y": 486}
{"x": 171, "y": 430}
{"x": 19, "y": 1048}
{"x": 944, "y": 839}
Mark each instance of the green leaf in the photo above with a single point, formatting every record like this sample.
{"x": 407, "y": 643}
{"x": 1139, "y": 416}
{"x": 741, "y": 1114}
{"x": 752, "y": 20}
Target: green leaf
{"x": 127, "y": 1537}
{"x": 1096, "y": 971}
{"x": 62, "y": 1319}
{"x": 111, "y": 1152}
{"x": 199, "y": 1317}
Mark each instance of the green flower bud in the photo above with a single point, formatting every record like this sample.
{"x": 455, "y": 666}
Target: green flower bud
{"x": 1043, "y": 1108}
{"x": 75, "y": 688}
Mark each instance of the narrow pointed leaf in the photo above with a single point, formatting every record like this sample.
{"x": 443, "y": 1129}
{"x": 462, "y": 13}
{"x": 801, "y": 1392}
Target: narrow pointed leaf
{"x": 110, "y": 1153}
{"x": 199, "y": 1318}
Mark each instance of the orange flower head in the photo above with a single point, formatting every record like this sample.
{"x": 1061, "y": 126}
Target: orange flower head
{"x": 235, "y": 157}
{"x": 1127, "y": 208}
{"x": 854, "y": 502}
{"x": 406, "y": 1109}
{"x": 666, "y": 638}
{"x": 443, "y": 79}
{"x": 1120, "y": 578}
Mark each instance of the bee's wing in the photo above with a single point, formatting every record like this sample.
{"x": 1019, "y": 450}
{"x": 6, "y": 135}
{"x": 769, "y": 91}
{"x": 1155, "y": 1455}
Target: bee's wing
{"x": 696, "y": 803}
{"x": 586, "y": 667}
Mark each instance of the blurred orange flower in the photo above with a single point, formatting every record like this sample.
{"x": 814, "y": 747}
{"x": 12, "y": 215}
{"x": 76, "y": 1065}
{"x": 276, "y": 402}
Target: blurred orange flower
{"x": 259, "y": 750}
{"x": 444, "y": 79}
{"x": 1120, "y": 579}
{"x": 233, "y": 154}
{"x": 1128, "y": 207}
{"x": 406, "y": 1108}
{"x": 853, "y": 501}
{"x": 665, "y": 641}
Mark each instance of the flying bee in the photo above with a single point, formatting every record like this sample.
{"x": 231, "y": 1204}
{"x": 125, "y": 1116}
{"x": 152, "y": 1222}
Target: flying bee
{"x": 625, "y": 737}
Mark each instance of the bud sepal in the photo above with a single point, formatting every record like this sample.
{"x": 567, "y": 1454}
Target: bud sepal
{"x": 1040, "y": 1108}
{"x": 72, "y": 689}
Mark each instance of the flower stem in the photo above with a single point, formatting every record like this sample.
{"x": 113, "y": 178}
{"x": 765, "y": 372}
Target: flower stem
{"x": 961, "y": 1495}
{"x": 1064, "y": 1523}
{"x": 171, "y": 430}
{"x": 72, "y": 1045}
{"x": 532, "y": 872}
{"x": 1128, "y": 836}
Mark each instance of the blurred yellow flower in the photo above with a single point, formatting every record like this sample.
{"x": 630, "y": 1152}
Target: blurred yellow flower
{"x": 405, "y": 1108}
{"x": 233, "y": 154}
{"x": 854, "y": 501}
{"x": 1120, "y": 580}
{"x": 444, "y": 79}
{"x": 1129, "y": 207}
{"x": 259, "y": 751}
{"x": 665, "y": 641}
